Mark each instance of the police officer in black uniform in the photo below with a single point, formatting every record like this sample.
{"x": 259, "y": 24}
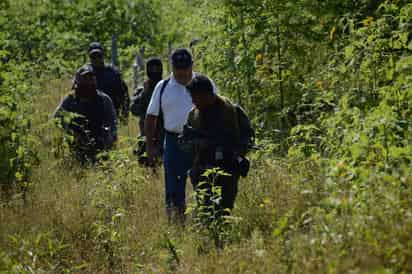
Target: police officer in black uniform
{"x": 109, "y": 80}
{"x": 89, "y": 116}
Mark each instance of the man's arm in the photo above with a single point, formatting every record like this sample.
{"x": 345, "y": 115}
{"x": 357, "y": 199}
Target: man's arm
{"x": 111, "y": 119}
{"x": 121, "y": 93}
{"x": 141, "y": 101}
{"x": 150, "y": 132}
{"x": 62, "y": 107}
{"x": 151, "y": 120}
{"x": 59, "y": 114}
{"x": 146, "y": 95}
{"x": 125, "y": 98}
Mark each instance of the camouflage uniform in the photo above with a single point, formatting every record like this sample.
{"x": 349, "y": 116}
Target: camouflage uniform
{"x": 220, "y": 121}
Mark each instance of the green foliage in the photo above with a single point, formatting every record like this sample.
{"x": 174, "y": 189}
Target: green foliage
{"x": 41, "y": 250}
{"x": 328, "y": 85}
{"x": 363, "y": 147}
{"x": 49, "y": 39}
{"x": 54, "y": 35}
{"x": 210, "y": 221}
{"x": 371, "y": 121}
{"x": 264, "y": 53}
{"x": 16, "y": 152}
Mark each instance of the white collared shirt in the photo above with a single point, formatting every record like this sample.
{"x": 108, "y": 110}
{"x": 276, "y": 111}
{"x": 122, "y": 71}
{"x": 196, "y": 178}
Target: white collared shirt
{"x": 176, "y": 104}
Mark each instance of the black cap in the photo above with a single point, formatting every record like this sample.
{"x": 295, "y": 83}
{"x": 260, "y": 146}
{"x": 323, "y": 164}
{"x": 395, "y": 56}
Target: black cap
{"x": 201, "y": 84}
{"x": 95, "y": 47}
{"x": 181, "y": 59}
{"x": 84, "y": 70}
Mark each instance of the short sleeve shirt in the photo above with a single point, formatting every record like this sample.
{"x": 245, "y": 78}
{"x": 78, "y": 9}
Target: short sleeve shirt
{"x": 98, "y": 113}
{"x": 176, "y": 104}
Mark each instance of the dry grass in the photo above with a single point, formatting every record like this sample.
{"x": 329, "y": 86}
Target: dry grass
{"x": 110, "y": 219}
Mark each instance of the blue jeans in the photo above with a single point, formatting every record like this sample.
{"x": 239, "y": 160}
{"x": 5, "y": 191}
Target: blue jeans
{"x": 176, "y": 165}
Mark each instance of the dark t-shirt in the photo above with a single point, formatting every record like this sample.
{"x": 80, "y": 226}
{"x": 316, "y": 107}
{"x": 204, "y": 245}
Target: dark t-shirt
{"x": 110, "y": 82}
{"x": 141, "y": 100}
{"x": 91, "y": 115}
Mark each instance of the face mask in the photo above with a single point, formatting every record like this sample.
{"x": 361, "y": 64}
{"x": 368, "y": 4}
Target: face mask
{"x": 155, "y": 76}
{"x": 97, "y": 61}
{"x": 86, "y": 91}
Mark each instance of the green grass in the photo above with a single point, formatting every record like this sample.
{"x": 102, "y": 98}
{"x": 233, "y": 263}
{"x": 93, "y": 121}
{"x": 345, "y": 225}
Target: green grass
{"x": 111, "y": 219}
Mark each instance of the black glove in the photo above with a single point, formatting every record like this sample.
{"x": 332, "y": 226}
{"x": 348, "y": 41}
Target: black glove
{"x": 243, "y": 165}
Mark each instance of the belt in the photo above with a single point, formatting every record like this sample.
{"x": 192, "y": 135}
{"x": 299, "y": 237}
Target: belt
{"x": 174, "y": 134}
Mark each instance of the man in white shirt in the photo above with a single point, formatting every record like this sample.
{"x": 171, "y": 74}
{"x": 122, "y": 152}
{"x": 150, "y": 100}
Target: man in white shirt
{"x": 172, "y": 103}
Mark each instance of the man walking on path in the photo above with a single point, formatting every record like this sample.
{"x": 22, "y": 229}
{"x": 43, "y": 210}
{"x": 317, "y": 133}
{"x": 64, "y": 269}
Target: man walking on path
{"x": 89, "y": 116}
{"x": 171, "y": 104}
{"x": 109, "y": 80}
{"x": 220, "y": 145}
{"x": 140, "y": 103}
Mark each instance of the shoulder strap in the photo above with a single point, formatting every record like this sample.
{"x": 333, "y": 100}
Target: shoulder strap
{"x": 166, "y": 81}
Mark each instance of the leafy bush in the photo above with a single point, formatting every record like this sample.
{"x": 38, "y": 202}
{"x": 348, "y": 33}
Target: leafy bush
{"x": 16, "y": 152}
{"x": 327, "y": 84}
